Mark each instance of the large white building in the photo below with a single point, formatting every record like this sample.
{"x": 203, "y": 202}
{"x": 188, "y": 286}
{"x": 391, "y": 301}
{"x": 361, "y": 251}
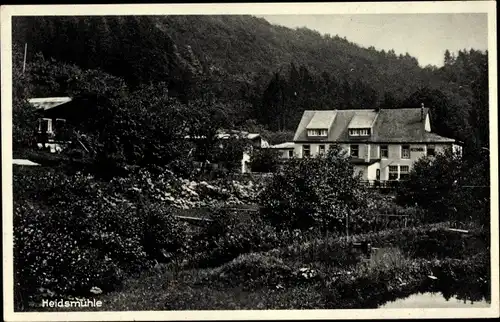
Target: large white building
{"x": 383, "y": 144}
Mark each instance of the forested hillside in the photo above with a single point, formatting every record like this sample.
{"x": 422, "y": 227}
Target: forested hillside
{"x": 267, "y": 75}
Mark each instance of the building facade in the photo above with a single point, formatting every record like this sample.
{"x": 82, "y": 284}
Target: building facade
{"x": 383, "y": 144}
{"x": 286, "y": 150}
{"x": 52, "y": 131}
{"x": 254, "y": 141}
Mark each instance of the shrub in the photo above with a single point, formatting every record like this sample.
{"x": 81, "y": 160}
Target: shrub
{"x": 69, "y": 251}
{"x": 430, "y": 184}
{"x": 448, "y": 188}
{"x": 24, "y": 117}
{"x": 318, "y": 191}
{"x": 382, "y": 212}
{"x": 229, "y": 153}
{"x": 165, "y": 237}
{"x": 265, "y": 160}
{"x": 228, "y": 236}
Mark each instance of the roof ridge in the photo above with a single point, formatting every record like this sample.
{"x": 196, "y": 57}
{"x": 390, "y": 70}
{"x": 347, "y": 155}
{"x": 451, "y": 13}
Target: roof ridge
{"x": 321, "y": 110}
{"x": 50, "y": 97}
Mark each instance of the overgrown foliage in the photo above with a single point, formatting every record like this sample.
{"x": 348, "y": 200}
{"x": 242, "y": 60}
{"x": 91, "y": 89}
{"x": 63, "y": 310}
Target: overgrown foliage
{"x": 448, "y": 187}
{"x": 302, "y": 275}
{"x": 24, "y": 122}
{"x": 228, "y": 236}
{"x": 320, "y": 191}
{"x": 265, "y": 160}
{"x": 73, "y": 234}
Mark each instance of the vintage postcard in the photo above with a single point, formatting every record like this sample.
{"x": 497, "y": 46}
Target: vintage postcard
{"x": 249, "y": 161}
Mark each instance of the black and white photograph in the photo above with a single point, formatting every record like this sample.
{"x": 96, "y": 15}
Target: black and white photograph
{"x": 249, "y": 161}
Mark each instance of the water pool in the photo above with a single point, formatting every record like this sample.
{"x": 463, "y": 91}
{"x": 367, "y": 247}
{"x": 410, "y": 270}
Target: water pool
{"x": 433, "y": 300}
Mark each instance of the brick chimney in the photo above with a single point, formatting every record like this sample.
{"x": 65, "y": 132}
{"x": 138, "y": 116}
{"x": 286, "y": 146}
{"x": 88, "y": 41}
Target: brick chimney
{"x": 422, "y": 112}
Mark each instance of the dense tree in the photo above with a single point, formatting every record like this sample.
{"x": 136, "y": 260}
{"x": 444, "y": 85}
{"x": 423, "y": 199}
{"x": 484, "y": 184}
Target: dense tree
{"x": 265, "y": 160}
{"x": 228, "y": 153}
{"x": 448, "y": 119}
{"x": 175, "y": 49}
{"x": 389, "y": 101}
{"x": 448, "y": 58}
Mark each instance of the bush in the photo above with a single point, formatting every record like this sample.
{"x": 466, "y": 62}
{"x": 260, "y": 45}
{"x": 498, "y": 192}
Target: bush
{"x": 265, "y": 160}
{"x": 228, "y": 236}
{"x": 24, "y": 122}
{"x": 73, "y": 234}
{"x": 72, "y": 250}
{"x": 229, "y": 153}
{"x": 165, "y": 237}
{"x": 382, "y": 212}
{"x": 448, "y": 187}
{"x": 308, "y": 192}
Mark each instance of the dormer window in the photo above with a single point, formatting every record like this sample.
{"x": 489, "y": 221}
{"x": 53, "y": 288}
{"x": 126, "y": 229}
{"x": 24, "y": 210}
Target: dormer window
{"x": 317, "y": 132}
{"x": 359, "y": 132}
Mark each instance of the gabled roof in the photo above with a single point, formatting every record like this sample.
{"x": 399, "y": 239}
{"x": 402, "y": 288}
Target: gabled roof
{"x": 285, "y": 145}
{"x": 46, "y": 103}
{"x": 363, "y": 119}
{"x": 321, "y": 120}
{"x": 252, "y": 136}
{"x": 388, "y": 125}
{"x": 339, "y": 120}
{"x": 404, "y": 125}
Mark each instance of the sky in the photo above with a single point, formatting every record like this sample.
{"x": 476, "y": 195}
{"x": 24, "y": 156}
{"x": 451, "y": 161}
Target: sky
{"x": 424, "y": 36}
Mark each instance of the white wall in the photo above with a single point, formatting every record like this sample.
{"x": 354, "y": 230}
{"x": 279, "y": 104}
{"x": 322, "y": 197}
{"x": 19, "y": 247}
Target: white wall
{"x": 283, "y": 153}
{"x": 361, "y": 168}
{"x": 314, "y": 148}
{"x": 417, "y": 151}
{"x": 245, "y": 162}
{"x": 371, "y": 173}
{"x": 427, "y": 123}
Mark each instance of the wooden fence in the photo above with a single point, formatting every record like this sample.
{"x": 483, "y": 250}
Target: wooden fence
{"x": 244, "y": 211}
{"x": 378, "y": 184}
